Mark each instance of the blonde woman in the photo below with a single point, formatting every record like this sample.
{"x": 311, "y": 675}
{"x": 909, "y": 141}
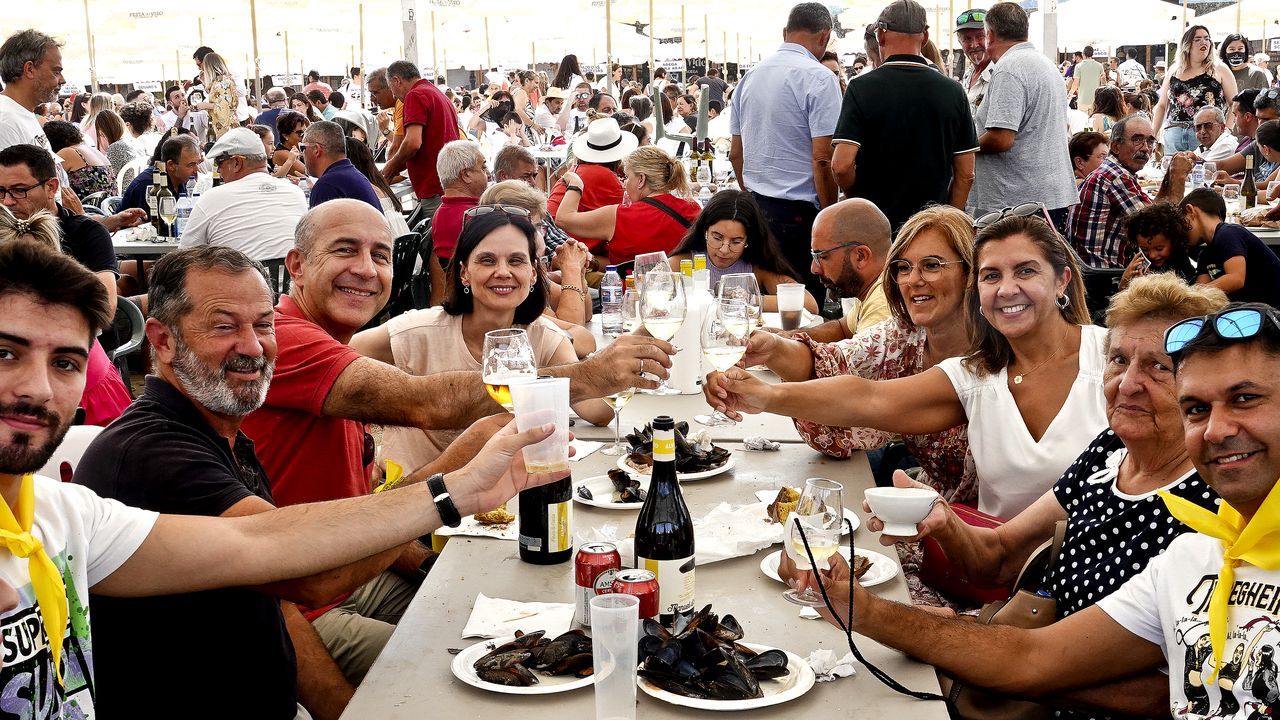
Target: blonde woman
{"x": 1198, "y": 80}
{"x": 660, "y": 213}
{"x": 97, "y": 103}
{"x": 223, "y": 95}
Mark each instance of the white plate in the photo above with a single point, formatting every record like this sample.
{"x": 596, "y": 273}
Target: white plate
{"x": 883, "y": 568}
{"x": 776, "y": 691}
{"x": 546, "y": 685}
{"x": 682, "y": 477}
{"x": 601, "y": 486}
{"x": 768, "y": 496}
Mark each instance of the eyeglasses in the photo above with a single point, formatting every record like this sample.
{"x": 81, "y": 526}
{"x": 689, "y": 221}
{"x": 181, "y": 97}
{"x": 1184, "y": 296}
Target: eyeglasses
{"x": 1235, "y": 324}
{"x": 1031, "y": 209}
{"x": 509, "y": 210}
{"x": 971, "y": 16}
{"x": 1268, "y": 94}
{"x": 18, "y": 192}
{"x": 930, "y": 268}
{"x": 734, "y": 244}
{"x": 818, "y": 254}
{"x": 1198, "y": 127}
{"x": 1144, "y": 140}
{"x": 217, "y": 162}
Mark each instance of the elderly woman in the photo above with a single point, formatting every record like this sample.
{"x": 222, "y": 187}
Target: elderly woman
{"x": 1087, "y": 149}
{"x": 658, "y": 217}
{"x": 1029, "y": 386}
{"x": 1115, "y": 522}
{"x": 497, "y": 285}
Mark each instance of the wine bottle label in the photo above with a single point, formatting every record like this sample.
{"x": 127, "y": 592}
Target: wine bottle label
{"x": 675, "y": 582}
{"x": 558, "y": 539}
{"x": 664, "y": 448}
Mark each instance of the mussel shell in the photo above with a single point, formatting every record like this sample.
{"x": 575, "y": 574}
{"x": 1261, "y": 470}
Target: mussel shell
{"x": 654, "y": 628}
{"x": 728, "y": 630}
{"x": 648, "y": 645}
{"x": 585, "y": 493}
{"x": 500, "y": 660}
{"x": 673, "y": 685}
{"x": 768, "y": 664}
{"x": 571, "y": 665}
{"x": 504, "y": 677}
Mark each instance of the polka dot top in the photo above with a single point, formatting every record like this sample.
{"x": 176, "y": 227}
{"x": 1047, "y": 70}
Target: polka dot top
{"x": 1111, "y": 535}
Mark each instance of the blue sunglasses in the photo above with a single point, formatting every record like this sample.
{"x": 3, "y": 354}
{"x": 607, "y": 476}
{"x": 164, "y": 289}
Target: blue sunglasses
{"x": 1234, "y": 324}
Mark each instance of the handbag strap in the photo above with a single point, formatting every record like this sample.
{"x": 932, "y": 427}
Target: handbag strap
{"x": 668, "y": 210}
{"x": 1043, "y": 559}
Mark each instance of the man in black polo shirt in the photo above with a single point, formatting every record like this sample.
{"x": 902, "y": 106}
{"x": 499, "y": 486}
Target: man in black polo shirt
{"x": 905, "y": 137}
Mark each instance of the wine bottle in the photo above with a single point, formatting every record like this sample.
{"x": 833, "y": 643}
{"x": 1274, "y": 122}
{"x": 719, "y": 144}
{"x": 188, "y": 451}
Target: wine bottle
{"x": 545, "y": 536}
{"x": 1249, "y": 190}
{"x": 664, "y": 530}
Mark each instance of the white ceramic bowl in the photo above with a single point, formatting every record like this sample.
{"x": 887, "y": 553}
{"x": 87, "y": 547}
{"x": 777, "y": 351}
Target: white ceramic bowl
{"x": 900, "y": 508}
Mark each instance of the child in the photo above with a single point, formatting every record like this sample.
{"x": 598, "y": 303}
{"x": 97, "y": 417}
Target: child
{"x": 1234, "y": 260}
{"x": 1160, "y": 234}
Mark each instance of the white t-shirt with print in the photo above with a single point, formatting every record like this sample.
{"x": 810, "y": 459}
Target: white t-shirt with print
{"x": 1014, "y": 469}
{"x": 88, "y": 538}
{"x": 1168, "y": 605}
{"x": 256, "y": 214}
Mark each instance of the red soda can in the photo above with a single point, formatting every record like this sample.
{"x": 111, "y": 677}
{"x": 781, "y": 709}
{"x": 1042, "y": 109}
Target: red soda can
{"x": 644, "y": 585}
{"x": 593, "y": 572}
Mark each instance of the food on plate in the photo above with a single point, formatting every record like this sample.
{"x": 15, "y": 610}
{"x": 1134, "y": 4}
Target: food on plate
{"x": 694, "y": 454}
{"x": 512, "y": 663}
{"x": 700, "y": 657}
{"x": 626, "y": 489}
{"x": 861, "y": 564}
{"x": 783, "y": 504}
{"x": 498, "y": 516}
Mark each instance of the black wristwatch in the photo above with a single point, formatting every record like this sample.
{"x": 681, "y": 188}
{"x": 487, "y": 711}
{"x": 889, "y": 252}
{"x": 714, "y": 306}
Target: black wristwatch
{"x": 444, "y": 503}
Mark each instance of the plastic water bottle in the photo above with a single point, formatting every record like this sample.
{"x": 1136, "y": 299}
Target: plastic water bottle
{"x": 1197, "y": 175}
{"x": 185, "y": 205}
{"x": 704, "y": 196}
{"x": 611, "y": 301}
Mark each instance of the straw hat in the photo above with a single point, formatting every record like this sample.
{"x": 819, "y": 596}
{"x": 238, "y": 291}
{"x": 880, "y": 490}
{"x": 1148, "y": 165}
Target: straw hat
{"x": 604, "y": 142}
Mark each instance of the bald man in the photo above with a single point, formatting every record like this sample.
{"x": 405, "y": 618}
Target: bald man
{"x": 849, "y": 245}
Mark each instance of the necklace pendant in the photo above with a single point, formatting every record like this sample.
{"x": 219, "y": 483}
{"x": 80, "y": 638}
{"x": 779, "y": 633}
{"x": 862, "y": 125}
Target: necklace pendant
{"x": 1017, "y": 379}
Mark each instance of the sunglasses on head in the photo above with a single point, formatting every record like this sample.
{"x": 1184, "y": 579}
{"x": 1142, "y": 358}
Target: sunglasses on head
{"x": 971, "y": 16}
{"x": 1031, "y": 209}
{"x": 508, "y": 210}
{"x": 1239, "y": 323}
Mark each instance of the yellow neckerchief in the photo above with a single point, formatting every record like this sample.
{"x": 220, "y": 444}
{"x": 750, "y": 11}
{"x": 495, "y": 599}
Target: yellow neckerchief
{"x": 1256, "y": 541}
{"x": 15, "y": 535}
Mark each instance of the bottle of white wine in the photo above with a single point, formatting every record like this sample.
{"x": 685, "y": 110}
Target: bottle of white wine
{"x": 664, "y": 530}
{"x": 546, "y": 537}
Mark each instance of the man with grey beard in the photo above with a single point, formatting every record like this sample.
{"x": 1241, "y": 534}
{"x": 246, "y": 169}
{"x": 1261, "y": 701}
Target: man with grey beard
{"x": 179, "y": 449}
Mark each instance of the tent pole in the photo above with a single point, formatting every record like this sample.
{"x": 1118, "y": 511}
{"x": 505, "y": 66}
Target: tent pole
{"x": 1184, "y": 14}
{"x": 88, "y": 39}
{"x": 684, "y": 51}
{"x": 257, "y": 79}
{"x": 362, "y": 94}
{"x": 725, "y": 40}
{"x": 177, "y": 65}
{"x": 434, "y": 56}
{"x": 533, "y": 56}
{"x": 652, "y": 30}
{"x": 951, "y": 39}
{"x": 1239, "y": 6}
{"x": 608, "y": 38}
{"x": 200, "y": 30}
{"x": 488, "y": 54}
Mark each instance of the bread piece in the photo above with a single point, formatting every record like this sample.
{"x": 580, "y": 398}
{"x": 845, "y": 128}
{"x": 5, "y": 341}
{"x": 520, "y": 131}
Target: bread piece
{"x": 498, "y": 516}
{"x": 783, "y": 504}
{"x": 861, "y": 564}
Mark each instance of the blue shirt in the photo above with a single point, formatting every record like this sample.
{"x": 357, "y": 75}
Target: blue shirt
{"x": 268, "y": 118}
{"x": 343, "y": 180}
{"x": 778, "y": 109}
{"x": 135, "y": 196}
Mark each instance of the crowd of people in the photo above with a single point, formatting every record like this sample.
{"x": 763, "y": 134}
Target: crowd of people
{"x": 237, "y": 487}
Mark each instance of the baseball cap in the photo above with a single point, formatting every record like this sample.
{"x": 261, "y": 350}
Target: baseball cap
{"x": 903, "y": 16}
{"x": 971, "y": 19}
{"x": 1261, "y": 57}
{"x": 237, "y": 141}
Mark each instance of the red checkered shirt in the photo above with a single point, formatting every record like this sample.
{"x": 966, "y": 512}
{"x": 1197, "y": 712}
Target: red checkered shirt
{"x": 1096, "y": 225}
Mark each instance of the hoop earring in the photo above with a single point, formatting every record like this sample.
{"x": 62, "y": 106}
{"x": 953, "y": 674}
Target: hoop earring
{"x": 1063, "y": 302}
{"x": 532, "y": 287}
{"x": 466, "y": 289}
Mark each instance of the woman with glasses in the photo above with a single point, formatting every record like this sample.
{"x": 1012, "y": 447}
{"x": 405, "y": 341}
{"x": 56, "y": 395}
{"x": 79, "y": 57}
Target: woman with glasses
{"x": 287, "y": 157}
{"x": 660, "y": 213}
{"x": 497, "y": 285}
{"x": 733, "y": 233}
{"x": 1028, "y": 384}
{"x": 1197, "y": 80}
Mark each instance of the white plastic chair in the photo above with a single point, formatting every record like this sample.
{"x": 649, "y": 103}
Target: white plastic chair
{"x": 70, "y": 451}
{"x": 128, "y": 173}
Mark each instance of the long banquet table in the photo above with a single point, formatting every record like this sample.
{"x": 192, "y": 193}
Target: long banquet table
{"x": 412, "y": 679}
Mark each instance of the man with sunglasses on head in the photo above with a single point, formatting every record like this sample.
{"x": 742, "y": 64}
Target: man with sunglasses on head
{"x": 1233, "y": 259}
{"x": 1096, "y": 225}
{"x": 971, "y": 32}
{"x": 251, "y": 211}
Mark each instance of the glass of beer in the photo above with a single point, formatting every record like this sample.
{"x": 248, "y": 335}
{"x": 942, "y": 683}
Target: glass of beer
{"x": 508, "y": 357}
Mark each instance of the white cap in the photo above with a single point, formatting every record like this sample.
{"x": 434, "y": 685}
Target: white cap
{"x": 238, "y": 141}
{"x": 1261, "y": 57}
{"x": 1160, "y": 64}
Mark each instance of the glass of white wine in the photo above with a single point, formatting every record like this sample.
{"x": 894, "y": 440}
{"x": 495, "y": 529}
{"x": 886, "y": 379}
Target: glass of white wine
{"x": 508, "y": 357}
{"x": 742, "y": 286}
{"x": 820, "y": 512}
{"x": 725, "y": 333}
{"x": 631, "y": 310}
{"x": 617, "y": 401}
{"x": 662, "y": 309}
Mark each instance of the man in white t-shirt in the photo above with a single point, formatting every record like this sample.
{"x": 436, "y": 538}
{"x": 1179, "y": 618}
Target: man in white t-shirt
{"x": 545, "y": 116}
{"x": 1164, "y": 617}
{"x": 181, "y": 114}
{"x": 252, "y": 211}
{"x": 50, "y": 309}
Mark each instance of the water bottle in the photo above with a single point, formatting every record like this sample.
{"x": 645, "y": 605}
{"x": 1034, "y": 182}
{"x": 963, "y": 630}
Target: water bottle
{"x": 1197, "y": 175}
{"x": 611, "y": 301}
{"x": 704, "y": 196}
{"x": 186, "y": 203}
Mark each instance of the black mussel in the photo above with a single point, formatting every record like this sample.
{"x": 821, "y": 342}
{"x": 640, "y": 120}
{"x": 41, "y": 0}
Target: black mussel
{"x": 574, "y": 642}
{"x": 736, "y": 673}
{"x": 673, "y": 685}
{"x": 768, "y": 664}
{"x": 570, "y": 665}
{"x": 729, "y": 629}
{"x": 631, "y": 495}
{"x": 506, "y": 677}
{"x": 654, "y": 628}
{"x": 584, "y": 492}
{"x": 500, "y": 661}
{"x": 744, "y": 653}
{"x": 666, "y": 656}
{"x": 648, "y": 645}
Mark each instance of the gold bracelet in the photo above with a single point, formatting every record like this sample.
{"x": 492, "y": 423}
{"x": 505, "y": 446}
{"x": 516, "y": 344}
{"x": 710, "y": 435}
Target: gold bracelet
{"x": 576, "y": 289}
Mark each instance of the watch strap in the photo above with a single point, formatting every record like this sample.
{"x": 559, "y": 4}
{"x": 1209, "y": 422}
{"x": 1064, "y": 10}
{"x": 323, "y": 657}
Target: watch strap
{"x": 444, "y": 503}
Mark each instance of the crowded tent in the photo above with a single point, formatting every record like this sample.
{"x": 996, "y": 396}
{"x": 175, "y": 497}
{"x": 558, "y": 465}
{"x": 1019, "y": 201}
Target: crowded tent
{"x": 921, "y": 362}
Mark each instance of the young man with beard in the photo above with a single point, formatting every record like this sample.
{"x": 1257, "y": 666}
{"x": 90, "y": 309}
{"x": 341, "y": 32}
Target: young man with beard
{"x": 849, "y": 246}
{"x": 63, "y": 540}
{"x": 1219, "y": 586}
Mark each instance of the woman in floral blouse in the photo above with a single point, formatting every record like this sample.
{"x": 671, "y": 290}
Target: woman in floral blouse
{"x": 223, "y": 96}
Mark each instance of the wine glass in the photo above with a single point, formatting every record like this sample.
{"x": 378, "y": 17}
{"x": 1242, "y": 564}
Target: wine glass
{"x": 646, "y": 262}
{"x": 742, "y": 286}
{"x": 725, "y": 332}
{"x": 662, "y": 309}
{"x": 616, "y": 401}
{"x": 820, "y": 512}
{"x": 1231, "y": 196}
{"x": 1210, "y": 172}
{"x": 631, "y": 310}
{"x": 508, "y": 357}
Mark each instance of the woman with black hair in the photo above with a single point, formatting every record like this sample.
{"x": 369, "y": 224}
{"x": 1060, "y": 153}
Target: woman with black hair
{"x": 1234, "y": 51}
{"x": 568, "y": 75}
{"x": 298, "y": 102}
{"x": 735, "y": 236}
{"x": 287, "y": 158}
{"x": 1108, "y": 108}
{"x": 362, "y": 158}
{"x": 496, "y": 284}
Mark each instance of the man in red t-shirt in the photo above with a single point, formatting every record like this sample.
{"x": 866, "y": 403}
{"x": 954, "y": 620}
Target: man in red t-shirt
{"x": 430, "y": 121}
{"x": 309, "y": 435}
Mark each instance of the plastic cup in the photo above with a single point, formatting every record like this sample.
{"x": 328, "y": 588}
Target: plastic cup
{"x": 847, "y": 306}
{"x": 536, "y": 403}
{"x": 615, "y": 631}
{"x": 790, "y": 296}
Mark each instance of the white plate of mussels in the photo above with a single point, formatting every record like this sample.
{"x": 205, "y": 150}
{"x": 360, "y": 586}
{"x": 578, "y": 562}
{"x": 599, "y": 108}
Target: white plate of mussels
{"x": 507, "y": 676}
{"x": 603, "y": 491}
{"x": 773, "y": 691}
